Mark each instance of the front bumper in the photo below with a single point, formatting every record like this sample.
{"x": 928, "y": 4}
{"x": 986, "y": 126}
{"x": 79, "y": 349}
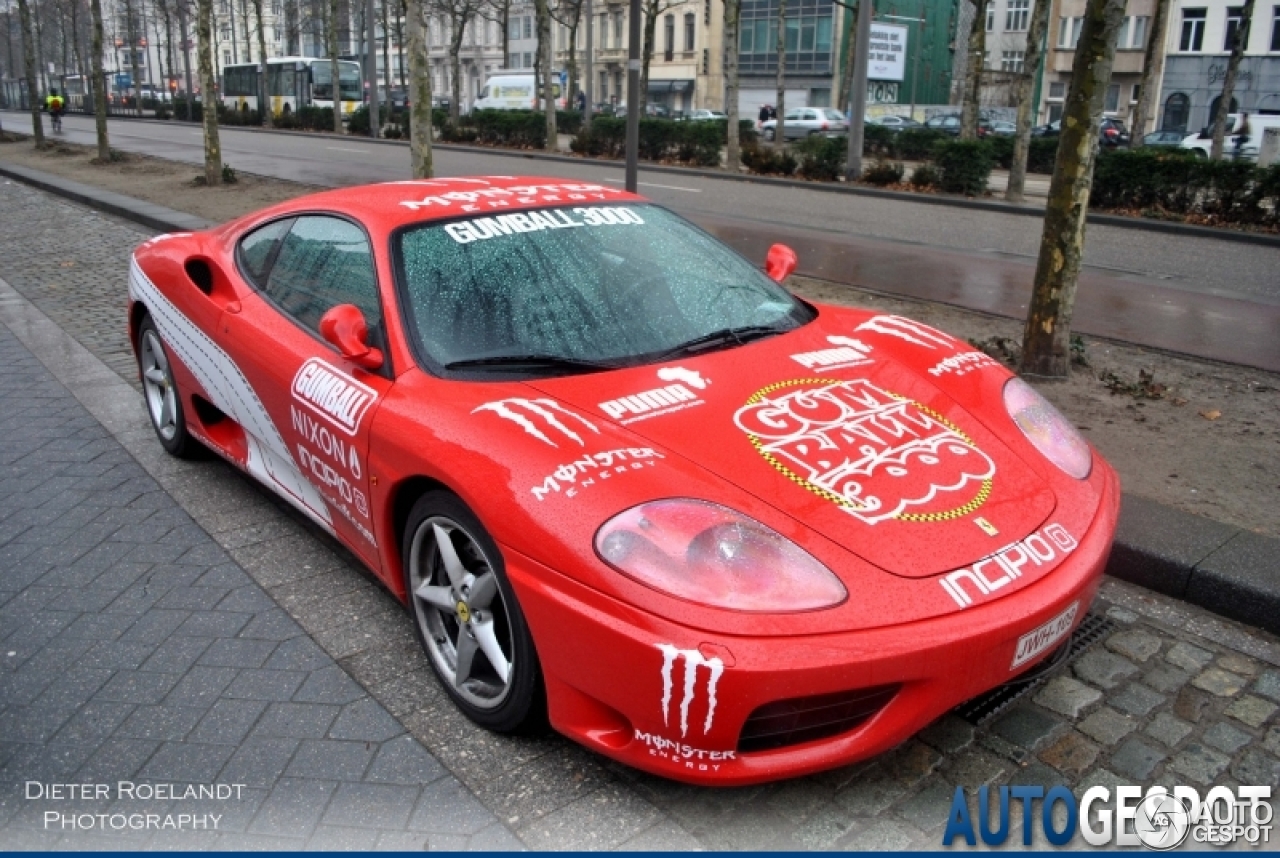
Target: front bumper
{"x": 673, "y": 700}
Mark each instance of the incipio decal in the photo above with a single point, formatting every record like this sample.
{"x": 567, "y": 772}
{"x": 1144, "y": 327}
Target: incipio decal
{"x": 995, "y": 571}
{"x": 875, "y": 454}
{"x": 334, "y": 395}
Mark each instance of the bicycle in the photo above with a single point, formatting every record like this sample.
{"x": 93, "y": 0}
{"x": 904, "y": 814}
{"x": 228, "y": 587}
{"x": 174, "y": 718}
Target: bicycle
{"x": 56, "y": 119}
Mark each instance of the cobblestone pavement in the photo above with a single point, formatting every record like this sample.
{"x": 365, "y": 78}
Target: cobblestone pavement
{"x": 1168, "y": 694}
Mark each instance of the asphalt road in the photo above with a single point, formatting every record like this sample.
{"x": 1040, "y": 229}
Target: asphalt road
{"x": 1203, "y": 297}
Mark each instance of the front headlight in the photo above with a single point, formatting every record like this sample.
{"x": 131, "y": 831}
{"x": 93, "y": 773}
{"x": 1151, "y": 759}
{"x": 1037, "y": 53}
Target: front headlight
{"x": 1047, "y": 430}
{"x": 712, "y": 555}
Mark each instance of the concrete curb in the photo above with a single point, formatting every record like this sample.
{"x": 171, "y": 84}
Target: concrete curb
{"x": 1233, "y": 572}
{"x": 995, "y": 206}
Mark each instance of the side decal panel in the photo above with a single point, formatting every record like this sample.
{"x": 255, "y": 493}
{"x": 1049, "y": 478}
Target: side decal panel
{"x": 269, "y": 460}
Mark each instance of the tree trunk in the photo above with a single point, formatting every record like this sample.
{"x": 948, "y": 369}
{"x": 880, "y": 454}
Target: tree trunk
{"x": 779, "y": 128}
{"x": 455, "y": 68}
{"x": 732, "y": 15}
{"x": 542, "y": 9}
{"x": 386, "y": 50}
{"x": 1238, "y": 45}
{"x": 571, "y": 66}
{"x": 420, "y": 94}
{"x": 131, "y": 43}
{"x": 973, "y": 73}
{"x": 400, "y": 39}
{"x": 208, "y": 92}
{"x": 264, "y": 100}
{"x": 1046, "y": 342}
{"x": 331, "y": 37}
{"x": 1022, "y": 97}
{"x": 29, "y": 66}
{"x": 1152, "y": 71}
{"x": 648, "y": 46}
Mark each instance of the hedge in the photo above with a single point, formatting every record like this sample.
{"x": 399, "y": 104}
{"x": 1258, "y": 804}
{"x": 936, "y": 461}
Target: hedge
{"x": 964, "y": 165}
{"x": 696, "y": 143}
{"x": 1172, "y": 181}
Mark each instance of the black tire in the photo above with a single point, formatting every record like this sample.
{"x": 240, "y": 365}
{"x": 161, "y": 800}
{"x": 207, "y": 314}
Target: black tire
{"x": 514, "y": 704}
{"x": 161, "y": 396}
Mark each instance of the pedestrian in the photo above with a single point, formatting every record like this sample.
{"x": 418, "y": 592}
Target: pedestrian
{"x": 582, "y": 102}
{"x": 55, "y": 104}
{"x": 1242, "y": 135}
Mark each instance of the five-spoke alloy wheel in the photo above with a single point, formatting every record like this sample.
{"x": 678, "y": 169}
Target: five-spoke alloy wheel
{"x": 164, "y": 404}
{"x": 467, "y": 617}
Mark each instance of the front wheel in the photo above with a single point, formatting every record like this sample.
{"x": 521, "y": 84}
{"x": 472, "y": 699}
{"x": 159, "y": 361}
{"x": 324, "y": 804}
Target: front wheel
{"x": 467, "y": 617}
{"x": 164, "y": 402}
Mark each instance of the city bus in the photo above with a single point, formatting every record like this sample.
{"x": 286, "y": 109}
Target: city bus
{"x": 293, "y": 82}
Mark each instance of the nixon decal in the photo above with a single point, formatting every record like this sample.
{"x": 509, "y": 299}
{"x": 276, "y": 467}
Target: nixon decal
{"x": 659, "y": 400}
{"x": 333, "y": 395}
{"x": 1004, "y": 566}
{"x": 847, "y": 352}
{"x": 906, "y": 329}
{"x": 317, "y": 434}
{"x": 875, "y": 454}
{"x": 682, "y": 754}
{"x": 523, "y": 411}
{"x": 692, "y": 661}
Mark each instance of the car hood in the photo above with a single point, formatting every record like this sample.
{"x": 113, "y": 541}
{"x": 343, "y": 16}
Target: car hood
{"x": 880, "y": 434}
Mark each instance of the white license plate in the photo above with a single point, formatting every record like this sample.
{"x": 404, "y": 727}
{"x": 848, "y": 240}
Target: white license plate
{"x": 1033, "y": 643}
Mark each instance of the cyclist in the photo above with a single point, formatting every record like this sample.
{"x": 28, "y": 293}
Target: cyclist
{"x": 55, "y": 104}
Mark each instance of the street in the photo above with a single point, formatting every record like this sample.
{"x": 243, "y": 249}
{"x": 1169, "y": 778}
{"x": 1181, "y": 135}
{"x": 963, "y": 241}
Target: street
{"x": 167, "y": 620}
{"x": 1199, "y": 296}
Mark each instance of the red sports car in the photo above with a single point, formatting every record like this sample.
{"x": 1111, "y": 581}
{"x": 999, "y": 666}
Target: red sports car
{"x": 622, "y": 479}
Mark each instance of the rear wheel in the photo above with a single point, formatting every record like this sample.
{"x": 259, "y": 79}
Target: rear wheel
{"x": 164, "y": 402}
{"x": 467, "y": 617}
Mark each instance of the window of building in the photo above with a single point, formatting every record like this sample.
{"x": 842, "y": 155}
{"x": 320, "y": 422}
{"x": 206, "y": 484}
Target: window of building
{"x": 226, "y": 58}
{"x": 1057, "y": 89}
{"x": 528, "y": 60}
{"x": 669, "y": 33}
{"x": 1012, "y": 61}
{"x": 808, "y": 37}
{"x": 513, "y": 61}
{"x": 528, "y": 27}
{"x": 1133, "y": 33}
{"x": 1137, "y": 93}
{"x": 991, "y": 16}
{"x": 1112, "y": 103}
{"x": 1177, "y": 111}
{"x": 1055, "y": 112}
{"x": 1275, "y": 28}
{"x": 1192, "y": 30}
{"x": 690, "y": 23}
{"x": 1069, "y": 32}
{"x": 1235, "y": 14}
{"x": 617, "y": 29}
{"x": 1015, "y": 19}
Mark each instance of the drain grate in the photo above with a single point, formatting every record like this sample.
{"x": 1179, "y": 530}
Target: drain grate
{"x": 983, "y": 708}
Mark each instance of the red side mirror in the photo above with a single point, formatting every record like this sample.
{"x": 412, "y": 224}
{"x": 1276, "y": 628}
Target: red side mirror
{"x": 780, "y": 262}
{"x": 344, "y": 328}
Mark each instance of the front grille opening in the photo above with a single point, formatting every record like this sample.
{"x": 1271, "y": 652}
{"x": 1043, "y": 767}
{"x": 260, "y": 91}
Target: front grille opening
{"x": 807, "y": 719}
{"x": 983, "y": 708}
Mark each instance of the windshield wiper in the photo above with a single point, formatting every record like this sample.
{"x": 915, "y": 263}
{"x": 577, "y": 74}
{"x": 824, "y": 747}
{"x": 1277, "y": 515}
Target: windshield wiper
{"x": 530, "y": 362}
{"x": 737, "y": 336}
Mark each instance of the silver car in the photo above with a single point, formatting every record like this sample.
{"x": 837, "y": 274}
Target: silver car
{"x": 808, "y": 122}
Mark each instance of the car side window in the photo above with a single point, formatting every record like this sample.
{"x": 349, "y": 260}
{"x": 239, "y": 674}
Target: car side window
{"x": 258, "y": 248}
{"x": 324, "y": 262}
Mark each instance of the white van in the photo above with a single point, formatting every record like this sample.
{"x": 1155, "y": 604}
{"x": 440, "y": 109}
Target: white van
{"x": 1258, "y": 124}
{"x": 513, "y": 91}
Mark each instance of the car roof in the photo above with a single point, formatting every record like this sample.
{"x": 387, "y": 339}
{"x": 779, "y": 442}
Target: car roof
{"x": 389, "y": 205}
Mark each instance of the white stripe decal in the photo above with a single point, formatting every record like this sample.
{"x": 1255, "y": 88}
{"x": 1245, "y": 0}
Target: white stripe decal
{"x": 269, "y": 458}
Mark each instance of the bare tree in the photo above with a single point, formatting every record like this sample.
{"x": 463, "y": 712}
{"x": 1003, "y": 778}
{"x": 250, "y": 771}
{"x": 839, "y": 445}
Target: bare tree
{"x": 570, "y": 16}
{"x": 780, "y": 123}
{"x": 420, "y": 96}
{"x": 1022, "y": 98}
{"x": 29, "y": 65}
{"x": 99, "y": 82}
{"x": 456, "y": 14}
{"x": 331, "y": 34}
{"x": 1152, "y": 70}
{"x": 542, "y": 11}
{"x": 732, "y": 18}
{"x": 650, "y": 11}
{"x": 1046, "y": 341}
{"x": 973, "y": 72}
{"x": 264, "y": 102}
{"x": 131, "y": 40}
{"x": 1239, "y": 42}
{"x": 209, "y": 92}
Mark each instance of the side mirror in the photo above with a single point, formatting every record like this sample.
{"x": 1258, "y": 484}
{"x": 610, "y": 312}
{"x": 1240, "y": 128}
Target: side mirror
{"x": 780, "y": 262}
{"x": 344, "y": 328}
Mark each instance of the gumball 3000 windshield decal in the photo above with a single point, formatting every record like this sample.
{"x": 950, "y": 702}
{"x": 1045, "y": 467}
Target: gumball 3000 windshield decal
{"x": 874, "y": 453}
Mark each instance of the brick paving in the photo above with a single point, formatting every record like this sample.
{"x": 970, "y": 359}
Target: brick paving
{"x": 1171, "y": 694}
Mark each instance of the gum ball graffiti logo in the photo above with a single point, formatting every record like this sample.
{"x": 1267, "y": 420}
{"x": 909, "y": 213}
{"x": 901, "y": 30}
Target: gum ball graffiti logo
{"x": 875, "y": 454}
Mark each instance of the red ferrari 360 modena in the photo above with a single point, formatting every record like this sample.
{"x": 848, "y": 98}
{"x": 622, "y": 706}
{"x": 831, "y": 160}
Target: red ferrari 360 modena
{"x": 622, "y": 479}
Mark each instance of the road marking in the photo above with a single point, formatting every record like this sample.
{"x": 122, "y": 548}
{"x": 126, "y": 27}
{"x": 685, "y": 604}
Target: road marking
{"x": 656, "y": 185}
{"x": 340, "y": 149}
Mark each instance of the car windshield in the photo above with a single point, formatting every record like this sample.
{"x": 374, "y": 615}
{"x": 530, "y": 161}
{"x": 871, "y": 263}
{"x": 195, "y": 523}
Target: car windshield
{"x": 578, "y": 286}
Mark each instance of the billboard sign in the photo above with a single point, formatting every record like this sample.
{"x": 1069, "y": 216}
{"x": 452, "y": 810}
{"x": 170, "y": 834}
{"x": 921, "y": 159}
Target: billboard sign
{"x": 887, "y": 57}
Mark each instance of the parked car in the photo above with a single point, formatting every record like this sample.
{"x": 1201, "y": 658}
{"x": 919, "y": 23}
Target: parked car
{"x": 1111, "y": 132}
{"x": 808, "y": 122}
{"x": 706, "y": 115}
{"x": 1202, "y": 142}
{"x": 1003, "y": 128}
{"x": 632, "y": 485}
{"x": 1164, "y": 139}
{"x": 513, "y": 91}
{"x": 894, "y": 122}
